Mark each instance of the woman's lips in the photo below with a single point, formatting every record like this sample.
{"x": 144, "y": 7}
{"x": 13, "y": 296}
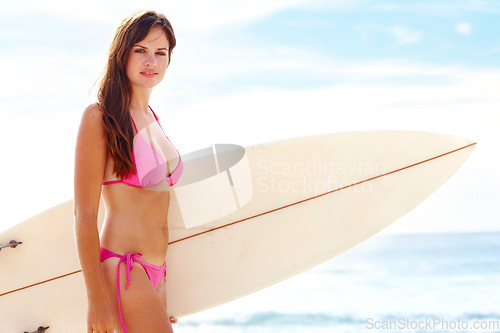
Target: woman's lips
{"x": 149, "y": 74}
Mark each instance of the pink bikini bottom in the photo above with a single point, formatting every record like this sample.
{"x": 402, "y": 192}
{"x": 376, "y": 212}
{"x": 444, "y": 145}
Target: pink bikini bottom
{"x": 154, "y": 273}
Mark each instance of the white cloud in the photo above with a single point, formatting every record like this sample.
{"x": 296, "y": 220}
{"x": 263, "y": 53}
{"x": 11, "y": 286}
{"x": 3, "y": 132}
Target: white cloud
{"x": 420, "y": 6}
{"x": 464, "y": 28}
{"x": 201, "y": 16}
{"x": 404, "y": 36}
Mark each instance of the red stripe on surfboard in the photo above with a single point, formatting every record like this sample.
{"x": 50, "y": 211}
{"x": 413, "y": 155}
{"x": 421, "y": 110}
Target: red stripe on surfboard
{"x": 270, "y": 211}
{"x": 320, "y": 195}
{"x": 42, "y": 282}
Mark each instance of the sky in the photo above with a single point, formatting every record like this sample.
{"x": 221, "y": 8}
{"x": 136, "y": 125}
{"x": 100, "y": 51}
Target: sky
{"x": 246, "y": 72}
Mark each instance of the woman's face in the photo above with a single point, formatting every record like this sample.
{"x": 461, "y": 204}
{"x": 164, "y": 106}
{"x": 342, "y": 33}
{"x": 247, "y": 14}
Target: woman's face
{"x": 148, "y": 60}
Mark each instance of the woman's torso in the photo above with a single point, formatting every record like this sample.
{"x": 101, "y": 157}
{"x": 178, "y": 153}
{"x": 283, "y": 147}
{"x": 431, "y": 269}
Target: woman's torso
{"x": 135, "y": 216}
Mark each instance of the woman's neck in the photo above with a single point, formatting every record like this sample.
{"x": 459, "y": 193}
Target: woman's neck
{"x": 139, "y": 101}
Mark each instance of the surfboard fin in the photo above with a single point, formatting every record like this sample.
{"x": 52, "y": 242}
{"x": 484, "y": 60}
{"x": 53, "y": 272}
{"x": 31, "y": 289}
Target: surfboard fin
{"x": 12, "y": 244}
{"x": 39, "y": 330}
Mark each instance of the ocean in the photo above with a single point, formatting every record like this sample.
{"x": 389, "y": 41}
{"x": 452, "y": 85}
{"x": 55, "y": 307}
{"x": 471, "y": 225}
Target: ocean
{"x": 389, "y": 283}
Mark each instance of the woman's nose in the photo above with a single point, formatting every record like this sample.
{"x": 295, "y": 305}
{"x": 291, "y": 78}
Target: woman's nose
{"x": 150, "y": 60}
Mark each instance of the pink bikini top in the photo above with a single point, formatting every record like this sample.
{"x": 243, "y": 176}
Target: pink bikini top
{"x": 151, "y": 168}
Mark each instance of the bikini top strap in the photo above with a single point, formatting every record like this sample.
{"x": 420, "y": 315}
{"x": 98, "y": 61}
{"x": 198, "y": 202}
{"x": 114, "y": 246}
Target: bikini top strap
{"x": 158, "y": 121}
{"x": 135, "y": 126}
{"x": 154, "y": 114}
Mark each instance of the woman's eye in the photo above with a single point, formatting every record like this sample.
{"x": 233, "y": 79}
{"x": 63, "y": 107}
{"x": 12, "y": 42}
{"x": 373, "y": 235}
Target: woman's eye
{"x": 161, "y": 53}
{"x": 139, "y": 51}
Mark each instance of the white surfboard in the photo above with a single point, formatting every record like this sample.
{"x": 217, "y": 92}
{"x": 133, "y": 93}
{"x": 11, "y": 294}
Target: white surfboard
{"x": 294, "y": 204}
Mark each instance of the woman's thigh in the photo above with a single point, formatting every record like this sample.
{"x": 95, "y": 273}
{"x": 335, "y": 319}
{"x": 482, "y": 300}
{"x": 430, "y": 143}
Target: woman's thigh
{"x": 161, "y": 291}
{"x": 141, "y": 306}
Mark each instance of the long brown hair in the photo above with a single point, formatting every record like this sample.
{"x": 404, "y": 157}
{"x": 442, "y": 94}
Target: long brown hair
{"x": 115, "y": 90}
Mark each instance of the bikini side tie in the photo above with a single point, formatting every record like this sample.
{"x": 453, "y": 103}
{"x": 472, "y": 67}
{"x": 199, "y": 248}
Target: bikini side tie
{"x": 128, "y": 259}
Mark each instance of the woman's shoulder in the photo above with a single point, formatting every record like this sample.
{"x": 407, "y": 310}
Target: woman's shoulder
{"x": 93, "y": 113}
{"x": 92, "y": 117}
{"x": 93, "y": 110}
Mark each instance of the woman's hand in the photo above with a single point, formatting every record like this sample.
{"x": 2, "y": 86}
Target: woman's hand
{"x": 100, "y": 318}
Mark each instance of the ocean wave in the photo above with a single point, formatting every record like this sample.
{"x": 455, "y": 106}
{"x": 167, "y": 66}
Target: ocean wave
{"x": 271, "y": 318}
{"x": 480, "y": 316}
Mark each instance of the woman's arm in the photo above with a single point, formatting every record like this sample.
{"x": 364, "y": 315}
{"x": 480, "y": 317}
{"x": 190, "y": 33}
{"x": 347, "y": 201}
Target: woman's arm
{"x": 90, "y": 161}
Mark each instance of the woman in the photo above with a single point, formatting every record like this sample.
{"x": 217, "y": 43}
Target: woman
{"x": 123, "y": 155}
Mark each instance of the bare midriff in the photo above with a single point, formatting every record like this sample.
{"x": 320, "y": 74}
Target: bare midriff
{"x": 135, "y": 221}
